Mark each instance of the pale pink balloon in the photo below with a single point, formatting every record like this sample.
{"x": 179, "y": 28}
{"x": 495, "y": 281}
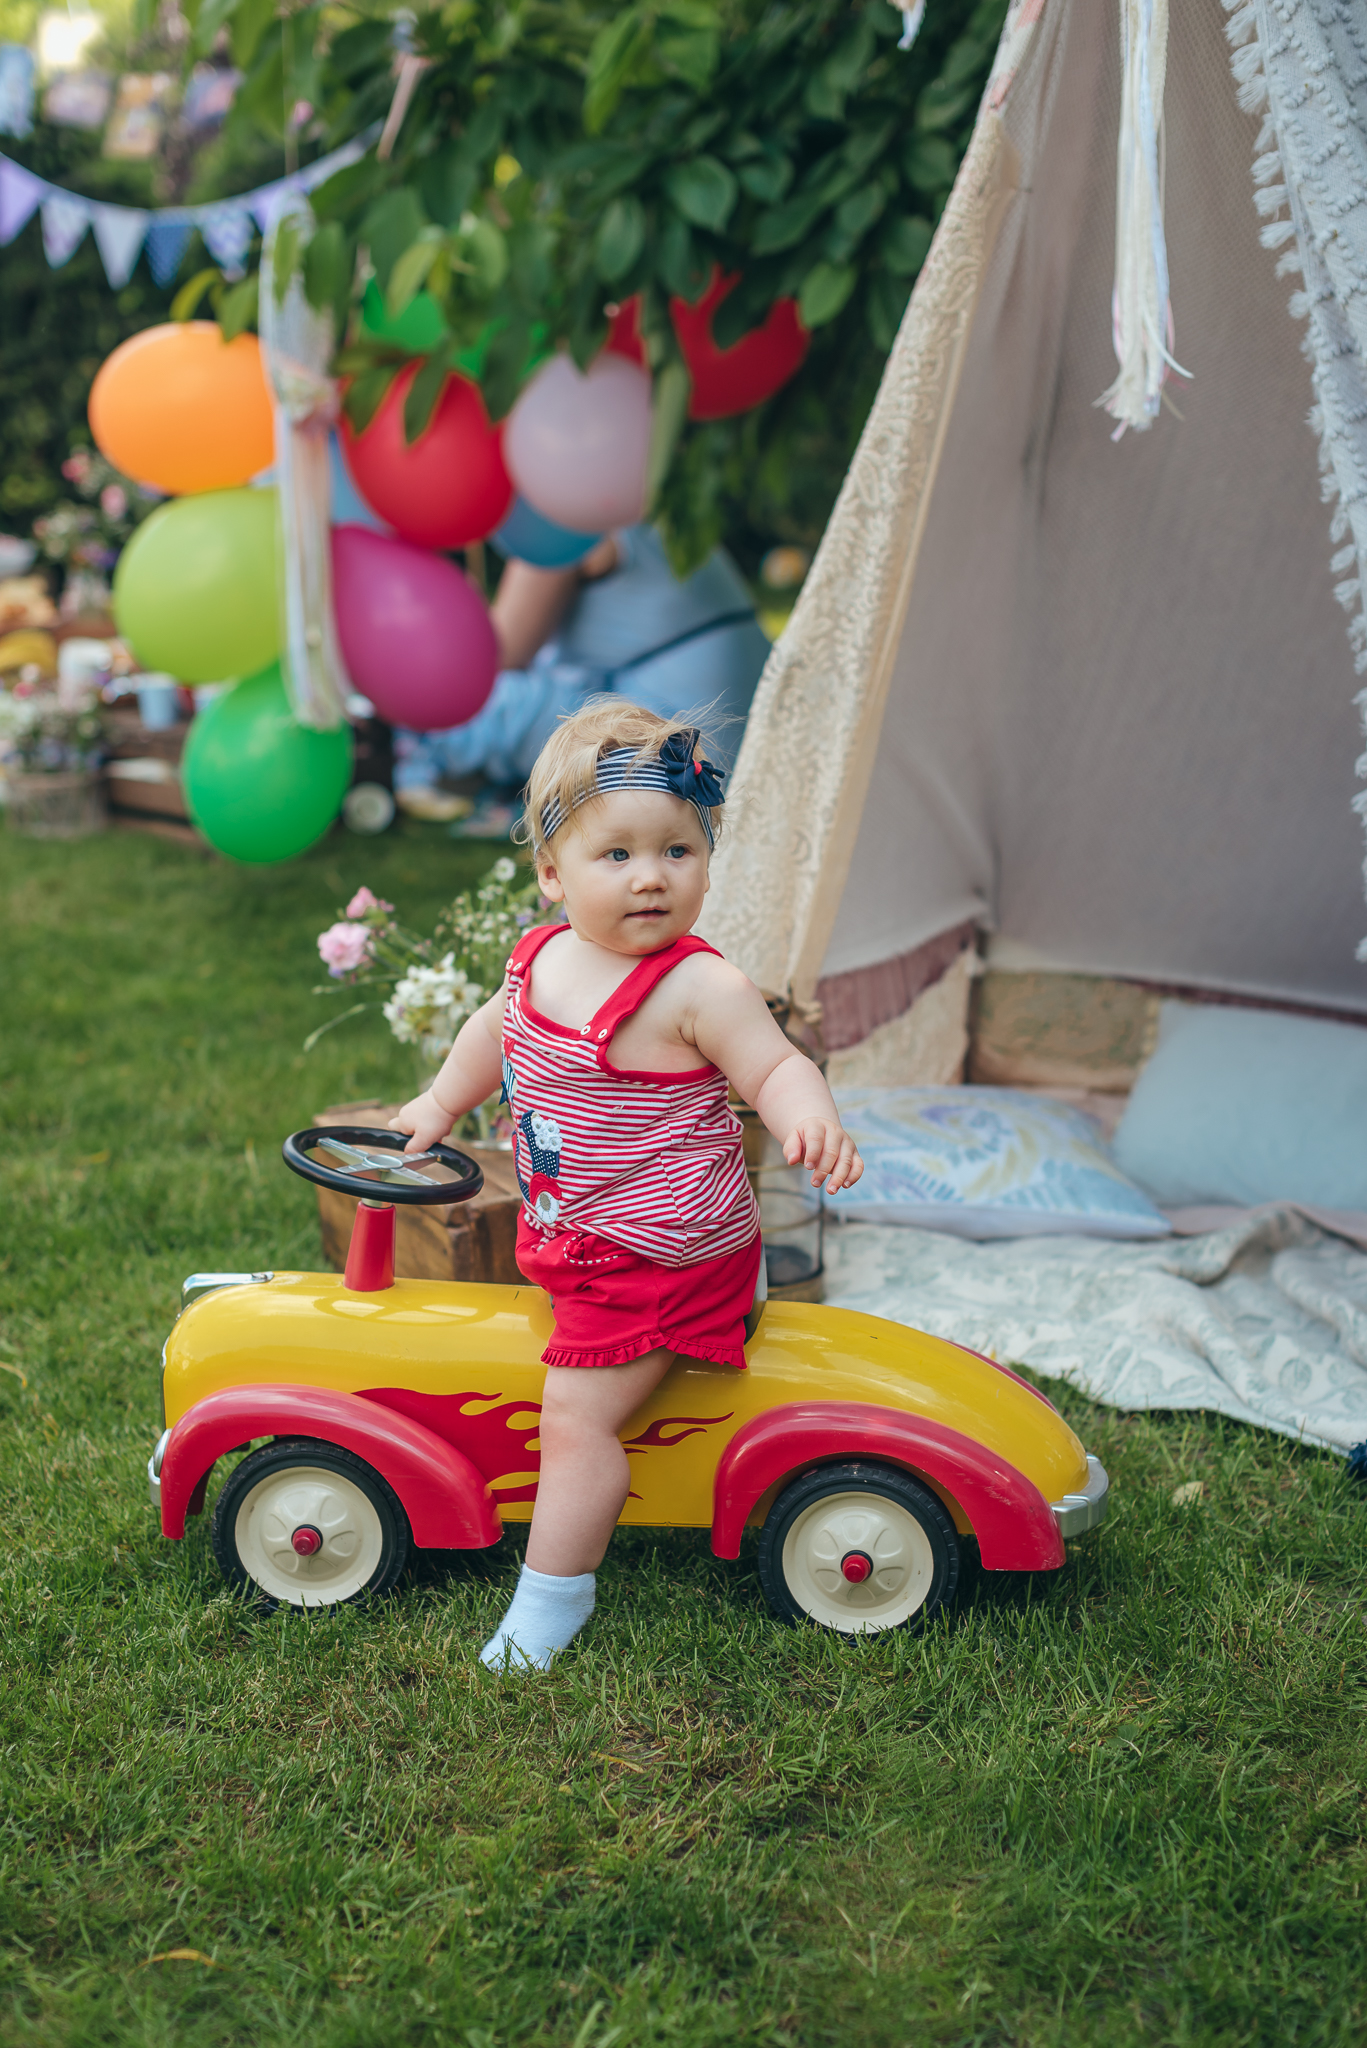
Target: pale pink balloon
{"x": 577, "y": 443}
{"x": 416, "y": 636}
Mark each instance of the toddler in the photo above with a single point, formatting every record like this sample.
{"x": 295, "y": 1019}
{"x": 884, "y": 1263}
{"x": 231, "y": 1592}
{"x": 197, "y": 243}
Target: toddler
{"x": 616, "y": 1035}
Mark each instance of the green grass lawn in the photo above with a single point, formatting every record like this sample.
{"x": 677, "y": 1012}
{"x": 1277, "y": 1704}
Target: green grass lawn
{"x": 1124, "y": 1804}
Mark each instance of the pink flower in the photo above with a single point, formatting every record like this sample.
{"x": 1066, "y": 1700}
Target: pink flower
{"x": 344, "y": 948}
{"x": 113, "y": 501}
{"x": 363, "y": 901}
{"x": 76, "y": 468}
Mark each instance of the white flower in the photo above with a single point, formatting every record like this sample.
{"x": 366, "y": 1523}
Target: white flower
{"x": 503, "y": 870}
{"x": 546, "y": 1132}
{"x": 429, "y": 1005}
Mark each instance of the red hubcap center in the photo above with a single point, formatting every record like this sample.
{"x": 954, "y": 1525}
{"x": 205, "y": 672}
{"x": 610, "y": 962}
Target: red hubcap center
{"x": 856, "y": 1566}
{"x": 307, "y": 1540}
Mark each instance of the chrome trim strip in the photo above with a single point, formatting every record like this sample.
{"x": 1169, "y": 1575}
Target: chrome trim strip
{"x": 1076, "y": 1513}
{"x": 154, "y": 1469}
{"x": 205, "y": 1283}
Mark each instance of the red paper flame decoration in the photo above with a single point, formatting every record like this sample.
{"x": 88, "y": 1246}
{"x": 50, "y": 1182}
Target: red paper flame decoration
{"x": 732, "y": 380}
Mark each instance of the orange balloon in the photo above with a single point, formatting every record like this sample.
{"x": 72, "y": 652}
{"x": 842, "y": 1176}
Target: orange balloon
{"x": 180, "y": 408}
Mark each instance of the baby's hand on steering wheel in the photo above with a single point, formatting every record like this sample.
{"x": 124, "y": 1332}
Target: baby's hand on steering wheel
{"x": 426, "y": 1119}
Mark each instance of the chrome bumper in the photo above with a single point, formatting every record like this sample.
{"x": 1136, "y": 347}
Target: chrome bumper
{"x": 1076, "y": 1513}
{"x": 154, "y": 1469}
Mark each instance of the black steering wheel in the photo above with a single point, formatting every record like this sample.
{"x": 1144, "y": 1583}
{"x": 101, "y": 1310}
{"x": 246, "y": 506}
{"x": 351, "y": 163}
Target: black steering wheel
{"x": 358, "y": 1160}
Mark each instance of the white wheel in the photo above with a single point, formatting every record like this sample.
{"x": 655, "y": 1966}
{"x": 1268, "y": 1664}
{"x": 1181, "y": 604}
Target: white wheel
{"x": 857, "y": 1548}
{"x": 309, "y": 1525}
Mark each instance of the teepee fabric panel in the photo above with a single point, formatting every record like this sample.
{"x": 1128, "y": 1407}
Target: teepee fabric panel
{"x": 1095, "y": 697}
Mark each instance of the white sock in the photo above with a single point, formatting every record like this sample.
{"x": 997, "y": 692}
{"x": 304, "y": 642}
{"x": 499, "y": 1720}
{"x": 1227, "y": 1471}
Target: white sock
{"x": 546, "y": 1615}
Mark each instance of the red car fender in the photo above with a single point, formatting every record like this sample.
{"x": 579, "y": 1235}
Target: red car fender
{"x": 448, "y": 1505}
{"x": 1010, "y": 1517}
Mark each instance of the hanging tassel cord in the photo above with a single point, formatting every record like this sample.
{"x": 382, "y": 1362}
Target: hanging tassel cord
{"x": 1141, "y": 308}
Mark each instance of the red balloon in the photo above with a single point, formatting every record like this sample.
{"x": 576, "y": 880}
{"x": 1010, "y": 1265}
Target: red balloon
{"x": 450, "y": 487}
{"x": 731, "y": 380}
{"x": 416, "y": 636}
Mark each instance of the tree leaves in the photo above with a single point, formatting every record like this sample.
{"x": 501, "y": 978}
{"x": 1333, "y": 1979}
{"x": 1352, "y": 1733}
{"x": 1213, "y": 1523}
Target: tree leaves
{"x": 825, "y": 289}
{"x": 615, "y": 50}
{"x": 703, "y": 190}
{"x": 904, "y": 243}
{"x": 659, "y": 142}
{"x": 238, "y": 308}
{"x": 620, "y": 239}
{"x": 328, "y": 265}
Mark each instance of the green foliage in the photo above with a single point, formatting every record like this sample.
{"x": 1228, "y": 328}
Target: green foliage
{"x": 556, "y": 158}
{"x": 1123, "y": 1804}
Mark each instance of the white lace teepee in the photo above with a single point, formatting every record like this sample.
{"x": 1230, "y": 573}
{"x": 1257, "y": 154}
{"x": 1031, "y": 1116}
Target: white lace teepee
{"x": 1094, "y": 699}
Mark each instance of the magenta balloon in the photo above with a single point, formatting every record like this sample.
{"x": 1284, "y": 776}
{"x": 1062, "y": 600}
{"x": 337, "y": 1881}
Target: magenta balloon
{"x": 416, "y": 635}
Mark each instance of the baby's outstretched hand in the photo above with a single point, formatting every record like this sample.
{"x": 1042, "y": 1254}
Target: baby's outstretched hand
{"x": 426, "y": 1119}
{"x": 823, "y": 1145}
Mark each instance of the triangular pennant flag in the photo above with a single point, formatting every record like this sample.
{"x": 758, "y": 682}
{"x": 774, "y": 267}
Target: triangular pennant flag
{"x": 272, "y": 199}
{"x": 166, "y": 241}
{"x": 65, "y": 220}
{"x": 20, "y": 192}
{"x": 119, "y": 234}
{"x": 227, "y": 237}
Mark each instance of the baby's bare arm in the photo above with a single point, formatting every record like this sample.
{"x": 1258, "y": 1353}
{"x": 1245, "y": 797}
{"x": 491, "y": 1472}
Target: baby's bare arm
{"x": 470, "y": 1073}
{"x": 730, "y": 1024}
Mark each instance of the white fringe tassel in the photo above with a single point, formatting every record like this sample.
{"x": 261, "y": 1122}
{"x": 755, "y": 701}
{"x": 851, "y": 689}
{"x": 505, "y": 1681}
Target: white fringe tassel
{"x": 1271, "y": 193}
{"x": 912, "y": 17}
{"x": 296, "y": 341}
{"x": 1141, "y": 315}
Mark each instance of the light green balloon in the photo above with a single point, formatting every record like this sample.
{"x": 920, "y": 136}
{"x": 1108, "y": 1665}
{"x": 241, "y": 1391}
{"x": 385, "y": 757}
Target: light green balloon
{"x": 260, "y": 786}
{"x": 195, "y": 592}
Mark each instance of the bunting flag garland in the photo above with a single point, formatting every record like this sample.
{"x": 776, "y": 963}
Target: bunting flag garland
{"x": 119, "y": 235}
{"x": 227, "y": 225}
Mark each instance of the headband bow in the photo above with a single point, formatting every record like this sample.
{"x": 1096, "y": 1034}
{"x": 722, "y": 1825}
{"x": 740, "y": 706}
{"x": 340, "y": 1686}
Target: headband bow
{"x": 678, "y": 769}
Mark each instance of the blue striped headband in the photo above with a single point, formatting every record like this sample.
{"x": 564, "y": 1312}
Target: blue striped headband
{"x": 678, "y": 769}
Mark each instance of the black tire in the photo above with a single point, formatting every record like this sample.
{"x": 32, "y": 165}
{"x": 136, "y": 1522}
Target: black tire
{"x": 875, "y": 1514}
{"x": 299, "y": 1483}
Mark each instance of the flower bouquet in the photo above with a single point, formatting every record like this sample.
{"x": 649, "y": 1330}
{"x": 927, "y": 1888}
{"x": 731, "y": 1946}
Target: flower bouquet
{"x": 427, "y": 987}
{"x": 51, "y": 741}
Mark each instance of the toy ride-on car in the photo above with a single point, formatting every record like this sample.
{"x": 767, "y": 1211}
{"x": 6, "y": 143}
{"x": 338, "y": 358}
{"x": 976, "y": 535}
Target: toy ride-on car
{"x": 382, "y": 1414}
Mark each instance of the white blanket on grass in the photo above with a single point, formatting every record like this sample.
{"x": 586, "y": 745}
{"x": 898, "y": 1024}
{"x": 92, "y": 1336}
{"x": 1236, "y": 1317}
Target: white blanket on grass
{"x": 1265, "y": 1320}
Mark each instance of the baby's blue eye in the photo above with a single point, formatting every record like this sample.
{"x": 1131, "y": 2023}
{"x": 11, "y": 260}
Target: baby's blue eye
{"x": 679, "y": 852}
{"x": 618, "y": 853}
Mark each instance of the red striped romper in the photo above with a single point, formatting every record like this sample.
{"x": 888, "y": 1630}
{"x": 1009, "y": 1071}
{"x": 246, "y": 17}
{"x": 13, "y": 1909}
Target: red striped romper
{"x": 637, "y": 1217}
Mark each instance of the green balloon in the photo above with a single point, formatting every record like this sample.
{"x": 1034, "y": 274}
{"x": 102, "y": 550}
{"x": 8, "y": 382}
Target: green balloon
{"x": 195, "y": 590}
{"x": 260, "y": 786}
{"x": 422, "y": 325}
{"x": 419, "y": 327}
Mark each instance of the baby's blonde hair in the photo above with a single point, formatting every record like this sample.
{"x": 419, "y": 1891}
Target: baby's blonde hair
{"x": 566, "y": 769}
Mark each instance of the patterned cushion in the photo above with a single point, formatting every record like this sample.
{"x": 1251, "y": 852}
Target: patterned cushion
{"x": 985, "y": 1162}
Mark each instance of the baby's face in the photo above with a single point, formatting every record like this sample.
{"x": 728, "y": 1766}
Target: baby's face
{"x": 631, "y": 870}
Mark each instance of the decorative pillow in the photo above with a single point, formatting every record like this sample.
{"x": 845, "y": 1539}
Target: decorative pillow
{"x": 1051, "y": 1030}
{"x": 985, "y": 1162}
{"x": 1249, "y": 1106}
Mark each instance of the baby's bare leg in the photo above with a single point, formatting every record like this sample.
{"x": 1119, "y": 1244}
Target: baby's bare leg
{"x": 584, "y": 1483}
{"x": 585, "y": 1473}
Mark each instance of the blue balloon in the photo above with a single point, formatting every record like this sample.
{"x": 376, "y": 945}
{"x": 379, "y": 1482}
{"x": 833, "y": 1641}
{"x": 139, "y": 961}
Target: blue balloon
{"x": 529, "y": 537}
{"x": 347, "y": 507}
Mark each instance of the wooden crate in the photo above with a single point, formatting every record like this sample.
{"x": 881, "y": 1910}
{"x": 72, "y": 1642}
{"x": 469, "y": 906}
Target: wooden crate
{"x": 143, "y": 782}
{"x": 473, "y": 1240}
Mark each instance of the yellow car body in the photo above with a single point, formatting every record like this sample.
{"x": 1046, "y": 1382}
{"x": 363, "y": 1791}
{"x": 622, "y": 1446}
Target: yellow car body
{"x": 435, "y": 1362}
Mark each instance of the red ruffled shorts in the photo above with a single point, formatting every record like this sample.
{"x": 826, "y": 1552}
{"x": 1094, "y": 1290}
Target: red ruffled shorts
{"x": 612, "y": 1305}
